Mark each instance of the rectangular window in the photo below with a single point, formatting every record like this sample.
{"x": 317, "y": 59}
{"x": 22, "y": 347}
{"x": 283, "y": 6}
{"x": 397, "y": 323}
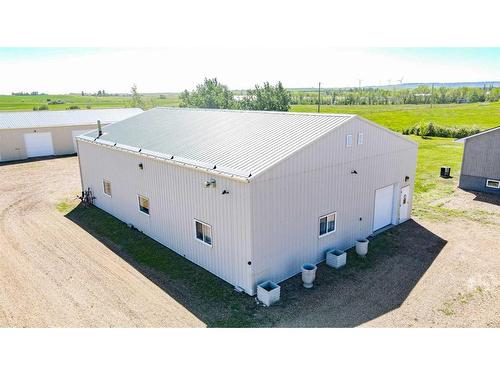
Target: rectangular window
{"x": 360, "y": 138}
{"x": 348, "y": 140}
{"x": 203, "y": 232}
{"x": 327, "y": 224}
{"x": 106, "y": 186}
{"x": 144, "y": 204}
{"x": 495, "y": 184}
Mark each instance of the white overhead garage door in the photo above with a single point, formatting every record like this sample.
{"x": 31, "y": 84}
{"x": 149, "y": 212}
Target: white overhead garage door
{"x": 38, "y": 144}
{"x": 74, "y": 133}
{"x": 383, "y": 207}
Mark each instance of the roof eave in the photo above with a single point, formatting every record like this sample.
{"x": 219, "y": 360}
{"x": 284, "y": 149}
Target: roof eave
{"x": 176, "y": 160}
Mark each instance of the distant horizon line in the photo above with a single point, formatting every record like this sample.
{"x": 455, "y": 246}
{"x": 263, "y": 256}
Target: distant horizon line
{"x": 454, "y": 83}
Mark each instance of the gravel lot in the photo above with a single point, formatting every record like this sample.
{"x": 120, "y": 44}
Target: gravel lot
{"x": 55, "y": 274}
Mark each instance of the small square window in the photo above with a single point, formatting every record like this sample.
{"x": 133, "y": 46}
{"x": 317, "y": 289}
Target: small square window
{"x": 144, "y": 204}
{"x": 203, "y": 232}
{"x": 106, "y": 186}
{"x": 327, "y": 224}
{"x": 495, "y": 184}
{"x": 348, "y": 140}
{"x": 360, "y": 138}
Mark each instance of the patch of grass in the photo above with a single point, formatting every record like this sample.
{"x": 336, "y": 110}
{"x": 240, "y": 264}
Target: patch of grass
{"x": 27, "y": 103}
{"x": 67, "y": 205}
{"x": 207, "y": 296}
{"x": 461, "y": 299}
{"x": 447, "y": 309}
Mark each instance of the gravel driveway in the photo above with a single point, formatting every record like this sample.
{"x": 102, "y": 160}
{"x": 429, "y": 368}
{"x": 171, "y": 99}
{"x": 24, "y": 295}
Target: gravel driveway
{"x": 54, "y": 274}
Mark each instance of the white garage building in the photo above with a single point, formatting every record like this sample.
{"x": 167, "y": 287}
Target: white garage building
{"x": 31, "y": 134}
{"x": 250, "y": 196}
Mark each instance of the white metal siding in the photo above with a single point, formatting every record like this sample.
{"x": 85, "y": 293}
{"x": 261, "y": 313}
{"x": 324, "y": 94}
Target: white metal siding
{"x": 177, "y": 196}
{"x": 289, "y": 198}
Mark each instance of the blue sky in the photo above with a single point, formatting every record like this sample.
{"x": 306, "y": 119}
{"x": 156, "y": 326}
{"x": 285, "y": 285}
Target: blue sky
{"x": 63, "y": 70}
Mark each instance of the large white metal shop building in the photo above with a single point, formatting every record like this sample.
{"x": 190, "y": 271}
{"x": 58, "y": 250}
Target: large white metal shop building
{"x": 250, "y": 196}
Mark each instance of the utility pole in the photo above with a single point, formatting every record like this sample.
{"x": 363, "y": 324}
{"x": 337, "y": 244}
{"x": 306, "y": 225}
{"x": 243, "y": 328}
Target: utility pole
{"x": 319, "y": 97}
{"x": 432, "y": 94}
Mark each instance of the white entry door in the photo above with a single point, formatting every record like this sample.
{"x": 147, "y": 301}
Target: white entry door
{"x": 404, "y": 207}
{"x": 38, "y": 144}
{"x": 383, "y": 207}
{"x": 74, "y": 133}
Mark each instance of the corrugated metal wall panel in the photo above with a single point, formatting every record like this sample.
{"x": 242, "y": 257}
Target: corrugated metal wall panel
{"x": 177, "y": 196}
{"x": 482, "y": 155}
{"x": 289, "y": 198}
{"x": 12, "y": 145}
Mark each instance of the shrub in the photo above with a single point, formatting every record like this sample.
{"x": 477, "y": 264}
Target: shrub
{"x": 88, "y": 107}
{"x": 73, "y": 107}
{"x": 43, "y": 107}
{"x": 432, "y": 130}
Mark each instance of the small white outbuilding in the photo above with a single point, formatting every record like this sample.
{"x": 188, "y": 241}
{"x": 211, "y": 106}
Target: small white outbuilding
{"x": 250, "y": 196}
{"x": 29, "y": 134}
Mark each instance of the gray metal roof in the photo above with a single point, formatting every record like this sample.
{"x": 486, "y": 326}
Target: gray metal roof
{"x": 37, "y": 119}
{"x": 238, "y": 143}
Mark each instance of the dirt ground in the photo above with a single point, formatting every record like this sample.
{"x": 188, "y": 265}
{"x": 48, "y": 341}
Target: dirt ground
{"x": 468, "y": 200}
{"x": 53, "y": 273}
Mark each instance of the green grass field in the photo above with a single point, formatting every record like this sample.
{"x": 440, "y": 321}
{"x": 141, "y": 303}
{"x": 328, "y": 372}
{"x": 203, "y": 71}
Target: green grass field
{"x": 399, "y": 117}
{"x": 26, "y": 103}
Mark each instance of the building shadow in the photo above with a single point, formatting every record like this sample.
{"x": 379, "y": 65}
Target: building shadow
{"x": 361, "y": 291}
{"x": 489, "y": 198}
{"x": 366, "y": 288}
{"x": 39, "y": 158}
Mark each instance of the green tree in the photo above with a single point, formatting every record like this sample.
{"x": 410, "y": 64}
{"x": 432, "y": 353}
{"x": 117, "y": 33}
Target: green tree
{"x": 137, "y": 100}
{"x": 209, "y": 94}
{"x": 267, "y": 98}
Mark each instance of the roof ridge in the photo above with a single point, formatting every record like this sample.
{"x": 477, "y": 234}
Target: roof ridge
{"x": 68, "y": 110}
{"x": 254, "y": 111}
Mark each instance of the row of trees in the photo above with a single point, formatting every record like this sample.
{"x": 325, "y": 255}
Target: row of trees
{"x": 98, "y": 93}
{"x": 22, "y": 93}
{"x": 419, "y": 95}
{"x": 212, "y": 94}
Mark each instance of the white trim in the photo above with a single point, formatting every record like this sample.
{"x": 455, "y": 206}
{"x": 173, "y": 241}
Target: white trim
{"x": 462, "y": 140}
{"x": 361, "y": 139}
{"x": 139, "y": 196}
{"x": 211, "y": 233}
{"x": 110, "y": 186}
{"x": 494, "y": 181}
{"x": 319, "y": 224}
